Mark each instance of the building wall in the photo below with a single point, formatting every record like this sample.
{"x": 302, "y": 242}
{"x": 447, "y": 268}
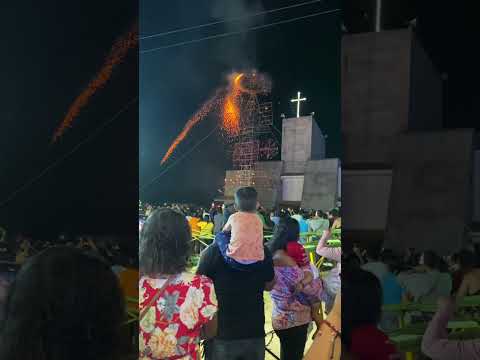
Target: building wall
{"x": 426, "y": 92}
{"x": 296, "y": 144}
{"x": 320, "y": 189}
{"x": 267, "y": 182}
{"x": 389, "y": 86}
{"x": 430, "y": 202}
{"x": 319, "y": 151}
{"x": 292, "y": 188}
{"x": 373, "y": 110}
{"x": 365, "y": 199}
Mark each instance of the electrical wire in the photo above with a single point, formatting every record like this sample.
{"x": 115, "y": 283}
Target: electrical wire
{"x": 217, "y": 36}
{"x": 239, "y": 18}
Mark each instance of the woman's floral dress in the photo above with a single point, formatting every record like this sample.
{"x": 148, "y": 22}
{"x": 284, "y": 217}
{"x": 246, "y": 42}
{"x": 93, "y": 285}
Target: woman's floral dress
{"x": 171, "y": 327}
{"x": 287, "y": 310}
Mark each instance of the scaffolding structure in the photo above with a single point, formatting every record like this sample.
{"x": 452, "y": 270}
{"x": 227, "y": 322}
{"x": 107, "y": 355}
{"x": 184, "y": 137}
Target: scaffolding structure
{"x": 255, "y": 141}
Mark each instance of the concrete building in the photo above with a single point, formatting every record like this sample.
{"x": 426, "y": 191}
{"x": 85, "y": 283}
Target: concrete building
{"x": 303, "y": 177}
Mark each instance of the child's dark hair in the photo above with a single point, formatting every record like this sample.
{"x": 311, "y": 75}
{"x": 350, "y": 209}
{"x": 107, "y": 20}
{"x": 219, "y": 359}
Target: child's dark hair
{"x": 246, "y": 199}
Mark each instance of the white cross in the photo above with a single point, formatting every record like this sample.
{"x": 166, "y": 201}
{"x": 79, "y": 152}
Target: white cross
{"x": 298, "y": 100}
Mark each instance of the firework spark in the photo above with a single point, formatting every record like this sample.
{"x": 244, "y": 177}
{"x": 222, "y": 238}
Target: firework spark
{"x": 229, "y": 100}
{"x": 206, "y": 108}
{"x": 117, "y": 53}
{"x": 231, "y": 109}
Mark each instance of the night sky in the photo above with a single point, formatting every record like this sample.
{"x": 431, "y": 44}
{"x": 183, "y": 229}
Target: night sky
{"x": 449, "y": 32}
{"x": 50, "y": 52}
{"x": 301, "y": 56}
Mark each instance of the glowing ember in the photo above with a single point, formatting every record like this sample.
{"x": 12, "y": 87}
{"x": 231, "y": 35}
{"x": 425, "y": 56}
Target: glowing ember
{"x": 231, "y": 110}
{"x": 117, "y": 54}
{"x": 206, "y": 108}
{"x": 232, "y": 103}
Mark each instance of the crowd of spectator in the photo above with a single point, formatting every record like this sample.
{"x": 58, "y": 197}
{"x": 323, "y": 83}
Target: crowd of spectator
{"x": 208, "y": 221}
{"x": 374, "y": 278}
{"x": 222, "y": 301}
{"x": 66, "y": 297}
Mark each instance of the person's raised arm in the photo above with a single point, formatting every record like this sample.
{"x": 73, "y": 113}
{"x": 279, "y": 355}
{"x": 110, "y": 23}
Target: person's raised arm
{"x": 326, "y": 251}
{"x": 435, "y": 343}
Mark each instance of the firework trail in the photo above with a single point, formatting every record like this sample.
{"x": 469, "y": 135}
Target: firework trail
{"x": 117, "y": 53}
{"x": 229, "y": 100}
{"x": 206, "y": 108}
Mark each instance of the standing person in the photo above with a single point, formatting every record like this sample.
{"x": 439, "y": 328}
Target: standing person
{"x": 392, "y": 293}
{"x": 318, "y": 222}
{"x": 275, "y": 217}
{"x": 213, "y": 211}
{"x": 374, "y": 264}
{"x": 335, "y": 219}
{"x": 218, "y": 221}
{"x": 300, "y": 217}
{"x": 331, "y": 281}
{"x": 241, "y": 317}
{"x": 228, "y": 210}
{"x": 290, "y": 316}
{"x": 176, "y": 307}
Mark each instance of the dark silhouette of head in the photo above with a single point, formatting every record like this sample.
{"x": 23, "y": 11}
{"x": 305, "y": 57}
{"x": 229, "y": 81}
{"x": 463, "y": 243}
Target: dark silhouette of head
{"x": 430, "y": 259}
{"x": 361, "y": 301}
{"x": 286, "y": 231}
{"x": 164, "y": 243}
{"x": 246, "y": 199}
{"x": 63, "y": 304}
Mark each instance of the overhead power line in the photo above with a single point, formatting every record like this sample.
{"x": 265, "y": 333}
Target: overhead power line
{"x": 239, "y": 18}
{"x": 239, "y": 32}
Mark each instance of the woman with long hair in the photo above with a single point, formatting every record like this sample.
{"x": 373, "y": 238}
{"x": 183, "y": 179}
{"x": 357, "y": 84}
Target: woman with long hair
{"x": 290, "y": 315}
{"x": 63, "y": 304}
{"x": 176, "y": 307}
{"x": 361, "y": 314}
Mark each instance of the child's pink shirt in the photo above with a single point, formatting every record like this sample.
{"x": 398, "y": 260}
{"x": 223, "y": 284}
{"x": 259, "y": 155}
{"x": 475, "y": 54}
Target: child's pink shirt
{"x": 246, "y": 242}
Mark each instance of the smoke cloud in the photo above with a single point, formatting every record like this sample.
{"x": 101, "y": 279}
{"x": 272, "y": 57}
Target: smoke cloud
{"x": 238, "y": 51}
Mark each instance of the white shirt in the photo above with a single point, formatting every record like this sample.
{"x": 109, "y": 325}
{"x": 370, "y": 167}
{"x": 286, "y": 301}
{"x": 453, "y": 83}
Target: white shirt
{"x": 377, "y": 268}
